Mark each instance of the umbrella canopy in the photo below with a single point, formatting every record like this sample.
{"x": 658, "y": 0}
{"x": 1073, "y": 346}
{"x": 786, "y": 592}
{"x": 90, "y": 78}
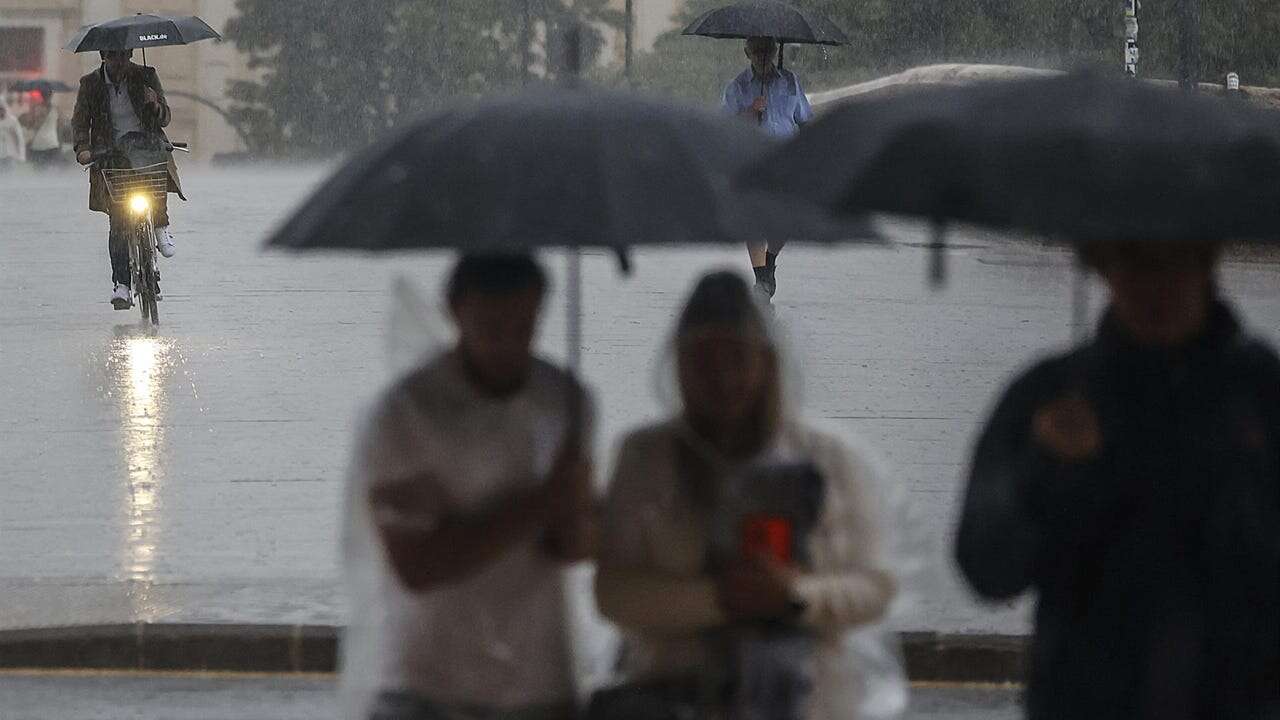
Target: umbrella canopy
{"x": 48, "y": 87}
{"x": 563, "y": 167}
{"x": 141, "y": 31}
{"x": 1076, "y": 157}
{"x": 767, "y": 18}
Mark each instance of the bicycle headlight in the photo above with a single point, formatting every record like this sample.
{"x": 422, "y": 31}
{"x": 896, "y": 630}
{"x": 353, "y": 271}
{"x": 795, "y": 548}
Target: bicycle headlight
{"x": 139, "y": 204}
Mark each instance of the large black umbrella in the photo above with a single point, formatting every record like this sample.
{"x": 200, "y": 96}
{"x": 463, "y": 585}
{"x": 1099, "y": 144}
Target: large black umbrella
{"x": 1076, "y": 157}
{"x": 559, "y": 167}
{"x": 767, "y": 18}
{"x": 47, "y": 87}
{"x": 141, "y": 31}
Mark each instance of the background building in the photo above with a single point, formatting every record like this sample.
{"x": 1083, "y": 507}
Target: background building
{"x": 33, "y": 33}
{"x": 650, "y": 19}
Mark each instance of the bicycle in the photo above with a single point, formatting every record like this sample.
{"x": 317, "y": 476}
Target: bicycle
{"x": 133, "y": 192}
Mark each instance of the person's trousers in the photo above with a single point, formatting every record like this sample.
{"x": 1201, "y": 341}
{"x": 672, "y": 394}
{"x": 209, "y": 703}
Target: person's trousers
{"x": 121, "y": 226}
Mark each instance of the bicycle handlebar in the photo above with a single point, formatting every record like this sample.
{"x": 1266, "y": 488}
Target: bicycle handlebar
{"x": 100, "y": 155}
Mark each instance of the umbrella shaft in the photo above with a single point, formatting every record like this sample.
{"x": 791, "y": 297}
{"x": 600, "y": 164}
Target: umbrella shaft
{"x": 573, "y": 319}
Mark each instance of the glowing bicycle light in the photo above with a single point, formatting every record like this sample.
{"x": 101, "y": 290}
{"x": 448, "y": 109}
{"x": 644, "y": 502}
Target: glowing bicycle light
{"x": 139, "y": 204}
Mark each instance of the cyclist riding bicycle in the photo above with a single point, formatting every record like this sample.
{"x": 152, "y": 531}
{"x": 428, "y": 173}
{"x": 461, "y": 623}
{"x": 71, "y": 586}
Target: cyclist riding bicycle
{"x": 120, "y": 99}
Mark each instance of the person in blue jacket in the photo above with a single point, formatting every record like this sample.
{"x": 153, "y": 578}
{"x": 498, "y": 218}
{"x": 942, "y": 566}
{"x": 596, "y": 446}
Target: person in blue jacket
{"x": 771, "y": 97}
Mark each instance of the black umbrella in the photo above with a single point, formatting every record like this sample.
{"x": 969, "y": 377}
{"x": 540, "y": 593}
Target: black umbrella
{"x": 766, "y": 18}
{"x": 1075, "y": 157}
{"x": 47, "y": 87}
{"x": 141, "y": 31}
{"x": 559, "y": 167}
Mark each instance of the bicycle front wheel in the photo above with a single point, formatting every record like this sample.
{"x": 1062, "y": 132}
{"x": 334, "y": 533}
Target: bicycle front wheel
{"x": 148, "y": 282}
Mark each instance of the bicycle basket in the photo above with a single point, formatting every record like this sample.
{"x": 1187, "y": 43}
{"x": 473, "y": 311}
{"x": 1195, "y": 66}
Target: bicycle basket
{"x": 151, "y": 181}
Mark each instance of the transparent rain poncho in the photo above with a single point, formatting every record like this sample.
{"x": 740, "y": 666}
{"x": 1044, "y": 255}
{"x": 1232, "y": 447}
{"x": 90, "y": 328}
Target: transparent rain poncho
{"x": 841, "y": 660}
{"x": 861, "y": 667}
{"x": 417, "y": 333}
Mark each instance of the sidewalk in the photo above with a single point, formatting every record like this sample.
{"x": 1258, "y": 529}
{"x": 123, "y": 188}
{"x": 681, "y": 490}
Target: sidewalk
{"x": 930, "y": 657}
{"x": 202, "y": 696}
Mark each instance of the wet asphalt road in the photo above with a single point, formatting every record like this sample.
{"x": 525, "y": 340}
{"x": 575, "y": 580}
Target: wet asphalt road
{"x": 135, "y": 697}
{"x": 195, "y": 474}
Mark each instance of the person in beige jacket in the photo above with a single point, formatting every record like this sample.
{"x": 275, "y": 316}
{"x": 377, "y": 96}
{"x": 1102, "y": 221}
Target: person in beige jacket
{"x": 655, "y": 578}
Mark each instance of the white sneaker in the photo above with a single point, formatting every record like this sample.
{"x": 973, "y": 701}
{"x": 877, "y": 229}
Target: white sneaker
{"x": 164, "y": 241}
{"x": 121, "y": 298}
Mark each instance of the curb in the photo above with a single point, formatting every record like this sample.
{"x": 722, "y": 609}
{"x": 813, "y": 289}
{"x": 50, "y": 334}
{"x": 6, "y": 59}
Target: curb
{"x": 165, "y": 647}
{"x": 929, "y": 657}
{"x": 937, "y": 657}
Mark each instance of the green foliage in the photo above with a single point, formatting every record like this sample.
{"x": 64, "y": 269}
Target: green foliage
{"x": 892, "y": 35}
{"x": 336, "y": 74}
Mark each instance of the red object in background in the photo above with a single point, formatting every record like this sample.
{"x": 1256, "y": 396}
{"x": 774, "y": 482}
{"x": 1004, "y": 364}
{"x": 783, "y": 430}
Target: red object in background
{"x": 767, "y": 535}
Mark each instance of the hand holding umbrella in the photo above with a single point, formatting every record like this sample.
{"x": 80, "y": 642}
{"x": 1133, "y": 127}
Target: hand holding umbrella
{"x": 767, "y": 19}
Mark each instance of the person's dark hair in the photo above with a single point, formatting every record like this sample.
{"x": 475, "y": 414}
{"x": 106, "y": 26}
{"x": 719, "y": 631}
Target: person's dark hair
{"x": 494, "y": 274}
{"x": 724, "y": 299}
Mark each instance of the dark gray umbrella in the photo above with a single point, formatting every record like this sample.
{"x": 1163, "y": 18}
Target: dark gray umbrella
{"x": 1075, "y": 157}
{"x": 141, "y": 31}
{"x": 766, "y": 18}
{"x": 48, "y": 87}
{"x": 559, "y": 167}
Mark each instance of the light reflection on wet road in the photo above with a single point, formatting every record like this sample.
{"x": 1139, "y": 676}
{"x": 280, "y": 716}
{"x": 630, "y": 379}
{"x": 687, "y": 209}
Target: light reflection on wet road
{"x": 194, "y": 474}
{"x": 141, "y": 362}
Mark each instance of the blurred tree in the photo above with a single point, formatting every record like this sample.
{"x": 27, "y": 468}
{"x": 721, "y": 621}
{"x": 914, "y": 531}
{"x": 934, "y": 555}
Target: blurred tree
{"x": 892, "y": 35}
{"x": 333, "y": 75}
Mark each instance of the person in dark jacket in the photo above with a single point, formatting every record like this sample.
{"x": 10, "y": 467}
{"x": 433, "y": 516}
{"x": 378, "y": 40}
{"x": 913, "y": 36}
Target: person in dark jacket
{"x": 1134, "y": 483}
{"x": 116, "y": 100}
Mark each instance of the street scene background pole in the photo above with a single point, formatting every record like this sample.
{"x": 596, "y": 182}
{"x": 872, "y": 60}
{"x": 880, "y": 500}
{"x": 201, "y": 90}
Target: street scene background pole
{"x": 1188, "y": 43}
{"x": 1131, "y": 38}
{"x": 629, "y": 33}
{"x": 526, "y": 38}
